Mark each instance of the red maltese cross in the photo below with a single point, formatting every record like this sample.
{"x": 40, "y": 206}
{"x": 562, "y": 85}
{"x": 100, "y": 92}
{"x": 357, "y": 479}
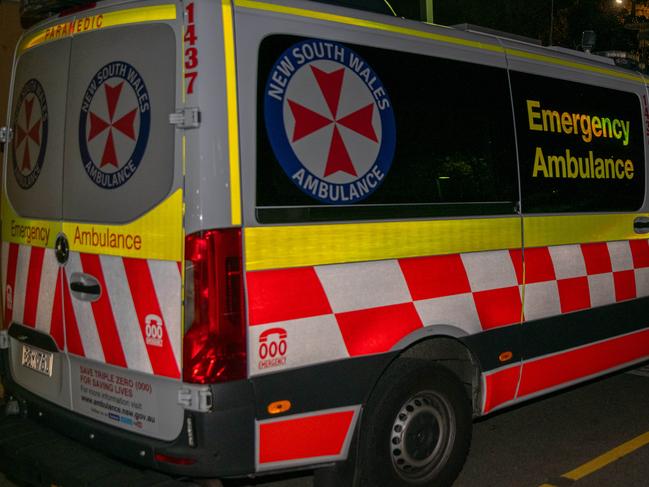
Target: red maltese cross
{"x": 29, "y": 131}
{"x": 308, "y": 121}
{"x": 124, "y": 125}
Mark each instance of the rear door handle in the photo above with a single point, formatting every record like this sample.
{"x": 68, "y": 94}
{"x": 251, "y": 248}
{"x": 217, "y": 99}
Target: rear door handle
{"x": 84, "y": 287}
{"x": 641, "y": 224}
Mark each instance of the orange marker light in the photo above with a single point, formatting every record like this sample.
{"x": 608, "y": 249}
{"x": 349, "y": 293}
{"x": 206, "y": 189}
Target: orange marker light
{"x": 505, "y": 356}
{"x": 278, "y": 407}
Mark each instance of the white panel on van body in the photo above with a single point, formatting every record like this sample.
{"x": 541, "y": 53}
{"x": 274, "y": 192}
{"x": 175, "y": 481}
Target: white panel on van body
{"x": 208, "y": 204}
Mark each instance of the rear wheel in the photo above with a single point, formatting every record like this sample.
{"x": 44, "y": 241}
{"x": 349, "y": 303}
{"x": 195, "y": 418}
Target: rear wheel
{"x": 416, "y": 429}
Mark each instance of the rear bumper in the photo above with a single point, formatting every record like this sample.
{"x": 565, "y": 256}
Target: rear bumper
{"x": 224, "y": 438}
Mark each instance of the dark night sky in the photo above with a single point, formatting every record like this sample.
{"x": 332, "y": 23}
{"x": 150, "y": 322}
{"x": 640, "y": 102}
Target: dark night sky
{"x": 529, "y": 18}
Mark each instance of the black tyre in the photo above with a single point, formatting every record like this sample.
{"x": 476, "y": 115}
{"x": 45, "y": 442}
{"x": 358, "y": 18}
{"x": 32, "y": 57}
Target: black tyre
{"x": 416, "y": 430}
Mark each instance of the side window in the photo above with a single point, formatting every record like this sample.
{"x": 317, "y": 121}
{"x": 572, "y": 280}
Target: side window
{"x": 581, "y": 147}
{"x": 353, "y": 132}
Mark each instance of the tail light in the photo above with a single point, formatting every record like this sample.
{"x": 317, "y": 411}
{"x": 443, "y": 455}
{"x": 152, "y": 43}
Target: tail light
{"x": 214, "y": 346}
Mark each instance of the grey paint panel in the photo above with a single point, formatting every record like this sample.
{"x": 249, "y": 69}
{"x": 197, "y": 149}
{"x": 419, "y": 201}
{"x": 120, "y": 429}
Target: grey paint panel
{"x": 38, "y": 120}
{"x": 207, "y": 167}
{"x": 119, "y": 85}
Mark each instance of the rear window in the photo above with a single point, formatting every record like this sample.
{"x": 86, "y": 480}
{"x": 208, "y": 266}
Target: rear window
{"x": 353, "y": 132}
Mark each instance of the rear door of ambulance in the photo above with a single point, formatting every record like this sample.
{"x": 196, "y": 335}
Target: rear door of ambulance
{"x": 31, "y": 221}
{"x": 118, "y": 174}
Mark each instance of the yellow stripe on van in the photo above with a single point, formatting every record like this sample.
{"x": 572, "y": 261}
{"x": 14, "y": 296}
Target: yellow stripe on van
{"x": 233, "y": 119}
{"x": 27, "y": 231}
{"x": 543, "y": 231}
{"x": 297, "y": 246}
{"x": 156, "y": 235}
{"x": 80, "y": 25}
{"x": 368, "y": 24}
{"x": 305, "y": 245}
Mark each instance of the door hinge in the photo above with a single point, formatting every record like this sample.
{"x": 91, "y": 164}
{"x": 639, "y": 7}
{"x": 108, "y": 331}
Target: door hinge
{"x": 4, "y": 339}
{"x": 6, "y": 134}
{"x": 186, "y": 118}
{"x": 195, "y": 398}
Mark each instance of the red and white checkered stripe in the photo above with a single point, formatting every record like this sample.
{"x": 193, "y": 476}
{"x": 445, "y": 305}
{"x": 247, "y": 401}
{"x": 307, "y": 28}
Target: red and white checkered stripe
{"x": 574, "y": 277}
{"x": 338, "y": 311}
{"x": 111, "y": 329}
{"x": 31, "y": 287}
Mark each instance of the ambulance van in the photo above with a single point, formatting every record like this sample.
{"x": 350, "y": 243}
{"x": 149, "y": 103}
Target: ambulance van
{"x": 242, "y": 237}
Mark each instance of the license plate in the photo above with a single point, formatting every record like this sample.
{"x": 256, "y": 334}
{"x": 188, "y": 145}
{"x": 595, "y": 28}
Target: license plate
{"x": 38, "y": 360}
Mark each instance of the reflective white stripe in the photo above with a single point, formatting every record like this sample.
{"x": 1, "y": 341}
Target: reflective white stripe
{"x": 350, "y": 287}
{"x": 541, "y": 300}
{"x": 620, "y": 252}
{"x": 166, "y": 283}
{"x": 602, "y": 289}
{"x": 121, "y": 302}
{"x": 458, "y": 310}
{"x": 5, "y": 263}
{"x": 489, "y": 270}
{"x": 83, "y": 313}
{"x": 46, "y": 291}
{"x": 642, "y": 281}
{"x": 20, "y": 288}
{"x": 568, "y": 261}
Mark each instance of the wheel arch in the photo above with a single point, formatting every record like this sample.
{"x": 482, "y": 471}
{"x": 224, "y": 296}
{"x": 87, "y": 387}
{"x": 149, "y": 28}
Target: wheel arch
{"x": 443, "y": 345}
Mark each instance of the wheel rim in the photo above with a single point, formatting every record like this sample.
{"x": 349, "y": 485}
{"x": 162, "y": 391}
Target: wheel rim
{"x": 422, "y": 436}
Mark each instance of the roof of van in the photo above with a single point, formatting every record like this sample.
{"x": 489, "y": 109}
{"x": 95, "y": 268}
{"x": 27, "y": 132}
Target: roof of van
{"x": 470, "y": 35}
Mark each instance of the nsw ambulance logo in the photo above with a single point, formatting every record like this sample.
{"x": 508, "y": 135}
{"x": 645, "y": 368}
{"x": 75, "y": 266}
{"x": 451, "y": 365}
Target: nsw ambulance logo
{"x": 114, "y": 124}
{"x": 330, "y": 121}
{"x": 30, "y": 129}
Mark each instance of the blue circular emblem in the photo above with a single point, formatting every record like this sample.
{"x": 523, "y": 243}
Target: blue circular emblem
{"x": 330, "y": 121}
{"x": 30, "y": 124}
{"x": 114, "y": 124}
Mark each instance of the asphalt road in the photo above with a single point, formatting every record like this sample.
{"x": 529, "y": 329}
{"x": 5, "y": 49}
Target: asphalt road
{"x": 570, "y": 434}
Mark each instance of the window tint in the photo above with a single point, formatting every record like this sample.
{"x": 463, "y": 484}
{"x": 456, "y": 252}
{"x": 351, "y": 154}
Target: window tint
{"x": 449, "y": 123}
{"x": 581, "y": 147}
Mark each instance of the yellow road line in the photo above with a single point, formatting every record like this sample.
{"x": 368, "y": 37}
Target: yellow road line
{"x": 605, "y": 459}
{"x": 608, "y": 457}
